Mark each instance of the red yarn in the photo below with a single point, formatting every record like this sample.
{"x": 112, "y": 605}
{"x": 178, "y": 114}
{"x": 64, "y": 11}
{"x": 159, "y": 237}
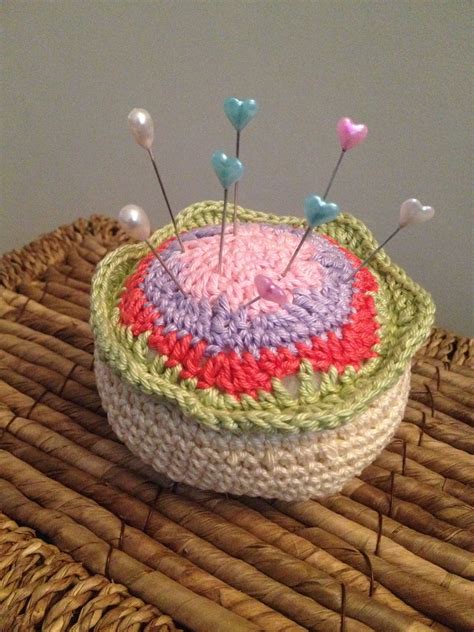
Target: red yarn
{"x": 245, "y": 374}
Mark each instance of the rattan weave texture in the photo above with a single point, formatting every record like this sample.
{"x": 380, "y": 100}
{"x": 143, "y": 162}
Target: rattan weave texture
{"x": 42, "y": 588}
{"x": 393, "y": 551}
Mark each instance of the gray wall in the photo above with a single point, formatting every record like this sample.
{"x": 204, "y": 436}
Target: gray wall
{"x": 75, "y": 69}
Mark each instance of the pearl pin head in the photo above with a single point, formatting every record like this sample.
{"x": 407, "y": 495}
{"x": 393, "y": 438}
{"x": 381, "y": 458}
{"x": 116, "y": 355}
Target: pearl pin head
{"x": 135, "y": 222}
{"x": 141, "y": 126}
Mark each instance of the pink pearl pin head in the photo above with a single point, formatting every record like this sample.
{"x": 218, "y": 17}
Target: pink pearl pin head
{"x": 270, "y": 291}
{"x": 350, "y": 134}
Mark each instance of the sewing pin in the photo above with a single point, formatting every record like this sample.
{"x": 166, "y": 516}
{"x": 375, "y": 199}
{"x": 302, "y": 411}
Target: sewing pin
{"x": 229, "y": 170}
{"x": 135, "y": 222}
{"x": 239, "y": 113}
{"x": 411, "y": 212}
{"x": 141, "y": 126}
{"x": 317, "y": 212}
{"x": 268, "y": 290}
{"x": 350, "y": 135}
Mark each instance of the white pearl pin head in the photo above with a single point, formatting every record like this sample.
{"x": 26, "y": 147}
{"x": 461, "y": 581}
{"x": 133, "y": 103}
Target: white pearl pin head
{"x": 141, "y": 126}
{"x": 135, "y": 222}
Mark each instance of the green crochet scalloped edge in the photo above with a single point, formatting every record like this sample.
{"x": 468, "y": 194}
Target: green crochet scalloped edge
{"x": 405, "y": 312}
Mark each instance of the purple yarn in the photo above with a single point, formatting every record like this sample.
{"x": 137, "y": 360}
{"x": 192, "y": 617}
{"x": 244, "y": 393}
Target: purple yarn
{"x": 312, "y": 313}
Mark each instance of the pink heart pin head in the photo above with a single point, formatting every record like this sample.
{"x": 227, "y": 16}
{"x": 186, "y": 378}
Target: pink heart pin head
{"x": 413, "y": 212}
{"x": 350, "y": 133}
{"x": 269, "y": 290}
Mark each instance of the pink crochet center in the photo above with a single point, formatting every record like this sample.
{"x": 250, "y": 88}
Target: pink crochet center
{"x": 256, "y": 249}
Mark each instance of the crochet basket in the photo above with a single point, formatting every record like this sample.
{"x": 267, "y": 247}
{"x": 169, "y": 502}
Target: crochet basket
{"x": 289, "y": 416}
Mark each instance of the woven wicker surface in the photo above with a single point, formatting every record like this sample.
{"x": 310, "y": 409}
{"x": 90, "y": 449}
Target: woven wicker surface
{"x": 40, "y": 586}
{"x": 392, "y": 552}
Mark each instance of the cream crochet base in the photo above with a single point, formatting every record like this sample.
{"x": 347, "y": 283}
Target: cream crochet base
{"x": 290, "y": 467}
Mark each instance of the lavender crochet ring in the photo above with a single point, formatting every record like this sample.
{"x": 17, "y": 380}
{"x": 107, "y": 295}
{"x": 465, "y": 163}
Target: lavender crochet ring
{"x": 281, "y": 373}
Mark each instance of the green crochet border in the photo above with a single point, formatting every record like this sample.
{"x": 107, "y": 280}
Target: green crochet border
{"x": 405, "y": 312}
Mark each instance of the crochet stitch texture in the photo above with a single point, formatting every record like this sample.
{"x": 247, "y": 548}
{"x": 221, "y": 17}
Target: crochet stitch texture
{"x": 312, "y": 365}
{"x": 273, "y": 465}
{"x": 241, "y": 350}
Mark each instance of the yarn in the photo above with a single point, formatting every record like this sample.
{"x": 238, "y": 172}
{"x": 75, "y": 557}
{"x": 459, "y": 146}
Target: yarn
{"x": 294, "y": 467}
{"x": 321, "y": 302}
{"x": 152, "y": 342}
{"x": 256, "y": 249}
{"x": 329, "y": 323}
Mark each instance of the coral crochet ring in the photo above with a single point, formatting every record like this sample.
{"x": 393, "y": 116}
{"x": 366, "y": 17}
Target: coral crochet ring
{"x": 283, "y": 401}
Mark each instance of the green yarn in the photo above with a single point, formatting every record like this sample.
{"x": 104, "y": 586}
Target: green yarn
{"x": 405, "y": 313}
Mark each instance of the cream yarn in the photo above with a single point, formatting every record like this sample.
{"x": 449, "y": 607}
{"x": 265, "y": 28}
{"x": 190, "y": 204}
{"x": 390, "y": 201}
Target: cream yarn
{"x": 288, "y": 467}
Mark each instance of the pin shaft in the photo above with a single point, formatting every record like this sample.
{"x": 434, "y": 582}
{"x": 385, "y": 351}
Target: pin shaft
{"x": 236, "y": 185}
{"x": 366, "y": 261}
{"x": 155, "y": 167}
{"x": 221, "y": 244}
{"x": 334, "y": 172}
{"x": 308, "y": 230}
{"x": 164, "y": 266}
{"x": 254, "y": 300}
{"x": 298, "y": 248}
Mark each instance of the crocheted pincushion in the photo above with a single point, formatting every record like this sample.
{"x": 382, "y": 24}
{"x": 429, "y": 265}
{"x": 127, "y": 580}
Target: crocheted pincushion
{"x": 286, "y": 402}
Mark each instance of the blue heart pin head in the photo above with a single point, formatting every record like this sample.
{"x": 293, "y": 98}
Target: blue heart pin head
{"x": 318, "y": 211}
{"x": 228, "y": 170}
{"x": 240, "y": 113}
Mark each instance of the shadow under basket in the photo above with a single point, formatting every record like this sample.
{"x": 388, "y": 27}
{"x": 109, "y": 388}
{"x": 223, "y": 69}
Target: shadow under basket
{"x": 308, "y": 430}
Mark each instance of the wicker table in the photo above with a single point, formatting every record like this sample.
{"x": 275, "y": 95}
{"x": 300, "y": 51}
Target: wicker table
{"x": 116, "y": 547}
